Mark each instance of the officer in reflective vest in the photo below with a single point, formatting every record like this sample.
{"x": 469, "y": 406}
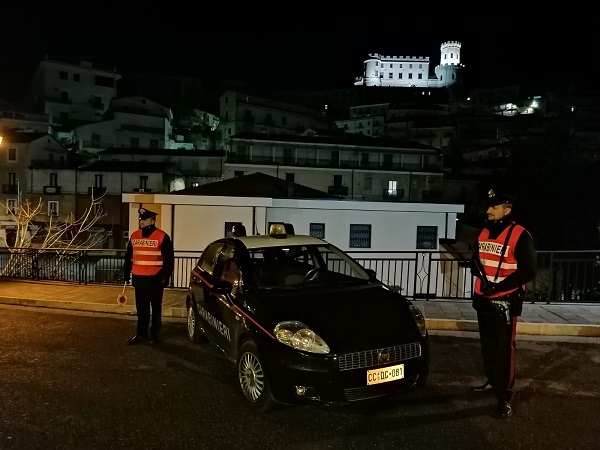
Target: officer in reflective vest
{"x": 505, "y": 261}
{"x": 149, "y": 260}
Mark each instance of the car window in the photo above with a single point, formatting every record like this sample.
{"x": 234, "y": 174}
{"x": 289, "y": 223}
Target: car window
{"x": 302, "y": 266}
{"x": 209, "y": 258}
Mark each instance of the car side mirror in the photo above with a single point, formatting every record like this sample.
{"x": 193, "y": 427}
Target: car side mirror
{"x": 223, "y": 287}
{"x": 372, "y": 274}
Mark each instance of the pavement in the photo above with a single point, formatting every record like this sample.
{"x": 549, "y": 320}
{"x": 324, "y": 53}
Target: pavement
{"x": 556, "y": 319}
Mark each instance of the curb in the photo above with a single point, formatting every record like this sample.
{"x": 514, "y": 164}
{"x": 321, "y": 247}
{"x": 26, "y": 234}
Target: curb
{"x": 523, "y": 328}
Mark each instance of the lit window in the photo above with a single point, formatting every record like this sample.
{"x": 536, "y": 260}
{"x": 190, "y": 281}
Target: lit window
{"x": 195, "y": 184}
{"x": 392, "y": 188}
{"x": 12, "y": 154}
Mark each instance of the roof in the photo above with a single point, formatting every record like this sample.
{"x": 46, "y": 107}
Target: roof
{"x": 23, "y": 137}
{"x": 131, "y": 166}
{"x": 160, "y": 151}
{"x": 256, "y": 185}
{"x": 349, "y": 139}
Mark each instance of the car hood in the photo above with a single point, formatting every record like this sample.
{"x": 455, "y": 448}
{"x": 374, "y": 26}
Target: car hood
{"x": 347, "y": 319}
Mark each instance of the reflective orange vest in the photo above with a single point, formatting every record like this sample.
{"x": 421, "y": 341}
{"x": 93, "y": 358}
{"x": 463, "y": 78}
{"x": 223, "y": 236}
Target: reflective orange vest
{"x": 147, "y": 259}
{"x": 489, "y": 255}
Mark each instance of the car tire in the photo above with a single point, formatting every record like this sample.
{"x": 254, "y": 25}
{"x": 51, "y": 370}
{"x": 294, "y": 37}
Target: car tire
{"x": 253, "y": 380}
{"x": 193, "y": 324}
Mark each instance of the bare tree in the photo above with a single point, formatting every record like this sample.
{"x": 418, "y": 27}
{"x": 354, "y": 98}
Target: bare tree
{"x": 62, "y": 239}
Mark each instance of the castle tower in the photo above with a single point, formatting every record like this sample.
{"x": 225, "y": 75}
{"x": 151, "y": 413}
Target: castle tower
{"x": 449, "y": 71}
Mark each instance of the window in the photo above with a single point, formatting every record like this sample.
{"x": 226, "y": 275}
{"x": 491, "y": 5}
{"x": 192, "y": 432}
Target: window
{"x": 11, "y": 205}
{"x": 376, "y": 63}
{"x": 451, "y": 55}
{"x": 401, "y": 66}
{"x": 388, "y": 160}
{"x": 195, "y": 184}
{"x": 209, "y": 258}
{"x": 64, "y": 97}
{"x": 143, "y": 182}
{"x": 75, "y": 77}
{"x": 420, "y": 66}
{"x": 12, "y": 154}
{"x": 337, "y": 180}
{"x": 392, "y": 190}
{"x": 399, "y": 76}
{"x": 427, "y": 237}
{"x": 288, "y": 155}
{"x": 420, "y": 76}
{"x": 368, "y": 183}
{"x": 364, "y": 159}
{"x": 53, "y": 208}
{"x": 53, "y": 179}
{"x": 63, "y": 75}
{"x": 410, "y": 66}
{"x": 391, "y": 66}
{"x": 95, "y": 139}
{"x": 360, "y": 236}
{"x": 290, "y": 177}
{"x": 135, "y": 142}
{"x": 410, "y": 76}
{"x": 390, "y": 75}
{"x": 317, "y": 230}
{"x": 12, "y": 178}
{"x": 98, "y": 180}
{"x": 229, "y": 228}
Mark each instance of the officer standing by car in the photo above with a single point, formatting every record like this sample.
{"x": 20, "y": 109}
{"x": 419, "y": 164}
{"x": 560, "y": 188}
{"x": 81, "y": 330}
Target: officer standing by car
{"x": 504, "y": 262}
{"x": 150, "y": 260}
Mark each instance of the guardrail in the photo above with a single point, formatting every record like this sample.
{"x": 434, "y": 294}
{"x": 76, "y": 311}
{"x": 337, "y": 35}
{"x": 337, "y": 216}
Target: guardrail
{"x": 563, "y": 276}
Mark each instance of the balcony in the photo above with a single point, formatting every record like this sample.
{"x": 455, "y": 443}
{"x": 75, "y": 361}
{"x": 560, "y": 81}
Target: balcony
{"x": 338, "y": 190}
{"x": 10, "y": 189}
{"x": 52, "y": 190}
{"x": 96, "y": 191}
{"x": 391, "y": 195}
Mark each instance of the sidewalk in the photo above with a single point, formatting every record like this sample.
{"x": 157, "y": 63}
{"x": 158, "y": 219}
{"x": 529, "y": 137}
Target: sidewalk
{"x": 582, "y": 319}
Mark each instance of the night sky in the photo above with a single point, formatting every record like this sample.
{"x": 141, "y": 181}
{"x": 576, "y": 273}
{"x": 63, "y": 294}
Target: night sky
{"x": 311, "y": 43}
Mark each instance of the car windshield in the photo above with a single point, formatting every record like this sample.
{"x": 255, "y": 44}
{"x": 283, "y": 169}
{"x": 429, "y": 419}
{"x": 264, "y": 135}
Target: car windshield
{"x": 304, "y": 266}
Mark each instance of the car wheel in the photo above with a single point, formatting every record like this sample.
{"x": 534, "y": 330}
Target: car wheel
{"x": 193, "y": 324}
{"x": 253, "y": 379}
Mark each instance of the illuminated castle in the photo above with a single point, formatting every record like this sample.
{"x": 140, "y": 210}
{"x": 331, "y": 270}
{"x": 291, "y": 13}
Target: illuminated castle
{"x": 413, "y": 71}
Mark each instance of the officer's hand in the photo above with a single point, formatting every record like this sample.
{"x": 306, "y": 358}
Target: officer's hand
{"x": 490, "y": 289}
{"x": 165, "y": 282}
{"x": 127, "y": 279}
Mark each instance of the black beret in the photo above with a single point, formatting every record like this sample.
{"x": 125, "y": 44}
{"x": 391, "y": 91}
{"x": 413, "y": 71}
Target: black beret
{"x": 496, "y": 198}
{"x": 146, "y": 214}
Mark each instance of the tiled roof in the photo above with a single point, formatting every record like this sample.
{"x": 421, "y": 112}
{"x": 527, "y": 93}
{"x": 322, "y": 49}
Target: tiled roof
{"x": 257, "y": 185}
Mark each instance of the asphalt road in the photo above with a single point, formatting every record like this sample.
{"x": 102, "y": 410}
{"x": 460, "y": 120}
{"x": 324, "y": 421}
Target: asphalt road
{"x": 69, "y": 381}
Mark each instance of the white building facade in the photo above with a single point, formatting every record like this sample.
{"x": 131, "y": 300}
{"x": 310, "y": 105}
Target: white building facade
{"x": 413, "y": 71}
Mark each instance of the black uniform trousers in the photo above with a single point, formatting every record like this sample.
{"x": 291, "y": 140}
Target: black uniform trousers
{"x": 498, "y": 352}
{"x": 148, "y": 303}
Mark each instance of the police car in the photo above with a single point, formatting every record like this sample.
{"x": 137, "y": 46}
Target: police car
{"x": 304, "y": 322}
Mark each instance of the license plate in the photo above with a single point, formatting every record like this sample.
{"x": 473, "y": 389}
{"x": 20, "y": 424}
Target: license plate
{"x": 385, "y": 374}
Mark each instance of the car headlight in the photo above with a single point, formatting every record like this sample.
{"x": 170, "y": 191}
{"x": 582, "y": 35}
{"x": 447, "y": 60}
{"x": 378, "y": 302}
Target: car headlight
{"x": 299, "y": 336}
{"x": 419, "y": 319}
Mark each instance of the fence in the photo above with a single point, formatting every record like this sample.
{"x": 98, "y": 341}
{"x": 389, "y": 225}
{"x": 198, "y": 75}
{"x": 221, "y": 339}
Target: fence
{"x": 562, "y": 276}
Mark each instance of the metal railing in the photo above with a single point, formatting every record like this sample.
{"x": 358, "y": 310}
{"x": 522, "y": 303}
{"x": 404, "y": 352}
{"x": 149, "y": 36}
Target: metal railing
{"x": 562, "y": 276}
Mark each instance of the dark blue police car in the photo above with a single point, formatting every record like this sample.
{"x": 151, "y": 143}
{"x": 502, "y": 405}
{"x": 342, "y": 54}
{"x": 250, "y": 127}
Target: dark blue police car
{"x": 304, "y": 322}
